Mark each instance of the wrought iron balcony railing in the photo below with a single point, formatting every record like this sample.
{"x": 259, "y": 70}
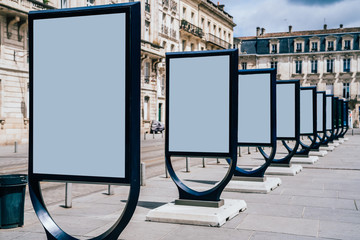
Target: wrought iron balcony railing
{"x": 165, "y": 3}
{"x": 173, "y": 6}
{"x": 164, "y": 29}
{"x": 188, "y": 27}
{"x": 218, "y": 41}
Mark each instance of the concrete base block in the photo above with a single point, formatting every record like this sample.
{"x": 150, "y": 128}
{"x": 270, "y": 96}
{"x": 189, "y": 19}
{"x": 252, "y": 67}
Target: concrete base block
{"x": 194, "y": 215}
{"x": 334, "y": 144}
{"x": 252, "y": 186}
{"x": 339, "y": 141}
{"x": 320, "y": 153}
{"x": 285, "y": 171}
{"x": 305, "y": 160}
{"x": 328, "y": 148}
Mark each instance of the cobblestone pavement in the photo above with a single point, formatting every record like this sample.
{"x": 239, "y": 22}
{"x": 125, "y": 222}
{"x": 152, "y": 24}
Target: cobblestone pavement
{"x": 322, "y": 202}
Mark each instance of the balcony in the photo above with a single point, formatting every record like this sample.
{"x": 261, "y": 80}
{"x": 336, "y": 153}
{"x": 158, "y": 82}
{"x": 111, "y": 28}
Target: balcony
{"x": 172, "y": 33}
{"x": 165, "y": 4}
{"x": 190, "y": 28}
{"x": 218, "y": 41}
{"x": 147, "y": 7}
{"x": 164, "y": 30}
{"x": 173, "y": 6}
{"x": 168, "y": 32}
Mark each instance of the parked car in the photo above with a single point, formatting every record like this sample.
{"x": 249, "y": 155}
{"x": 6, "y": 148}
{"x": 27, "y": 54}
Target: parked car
{"x": 156, "y": 127}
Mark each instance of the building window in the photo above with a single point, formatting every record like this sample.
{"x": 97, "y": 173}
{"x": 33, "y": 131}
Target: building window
{"x": 160, "y": 112}
{"x": 146, "y": 108}
{"x": 172, "y": 48}
{"x": 298, "y": 67}
{"x": 314, "y": 66}
{"x": 346, "y": 90}
{"x": 147, "y": 72}
{"x": 347, "y": 45}
{"x": 192, "y": 47}
{"x": 184, "y": 13}
{"x": 244, "y": 65}
{"x": 63, "y": 3}
{"x": 273, "y": 64}
{"x": 330, "y": 65}
{"x": 330, "y": 46}
{"x": 314, "y": 46}
{"x": 183, "y": 45}
{"x": 202, "y": 48}
{"x": 273, "y": 48}
{"x": 90, "y": 2}
{"x": 147, "y": 6}
{"x": 298, "y": 47}
{"x": 192, "y": 18}
{"x": 147, "y": 31}
{"x": 347, "y": 65}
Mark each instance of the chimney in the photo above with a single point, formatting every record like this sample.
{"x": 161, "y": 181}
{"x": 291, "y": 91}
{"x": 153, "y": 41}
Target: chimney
{"x": 257, "y": 31}
{"x": 262, "y": 31}
{"x": 325, "y": 26}
{"x": 341, "y": 26}
{"x": 290, "y": 28}
{"x": 221, "y": 7}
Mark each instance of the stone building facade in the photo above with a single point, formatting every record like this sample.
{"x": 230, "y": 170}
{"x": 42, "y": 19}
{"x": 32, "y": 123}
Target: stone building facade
{"x": 327, "y": 58}
{"x": 164, "y": 28}
{"x": 14, "y": 69}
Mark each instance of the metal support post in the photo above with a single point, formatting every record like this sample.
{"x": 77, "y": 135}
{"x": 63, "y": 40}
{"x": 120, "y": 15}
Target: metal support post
{"x": 142, "y": 174}
{"x": 203, "y": 162}
{"x": 187, "y": 165}
{"x": 68, "y": 195}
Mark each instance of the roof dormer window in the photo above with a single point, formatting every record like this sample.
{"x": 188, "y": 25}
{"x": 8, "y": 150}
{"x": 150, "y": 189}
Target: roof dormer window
{"x": 347, "y": 42}
{"x": 274, "y": 46}
{"x": 299, "y": 45}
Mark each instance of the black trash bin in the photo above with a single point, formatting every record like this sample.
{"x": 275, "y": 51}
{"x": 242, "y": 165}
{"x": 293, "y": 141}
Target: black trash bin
{"x": 12, "y": 200}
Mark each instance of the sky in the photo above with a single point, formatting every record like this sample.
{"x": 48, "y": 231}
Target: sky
{"x": 277, "y": 15}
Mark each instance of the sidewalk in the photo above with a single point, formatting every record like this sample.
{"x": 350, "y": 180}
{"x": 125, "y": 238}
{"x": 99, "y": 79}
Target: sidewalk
{"x": 322, "y": 202}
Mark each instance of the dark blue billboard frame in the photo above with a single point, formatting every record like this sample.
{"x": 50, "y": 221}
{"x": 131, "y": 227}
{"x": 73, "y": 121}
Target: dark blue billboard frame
{"x": 286, "y": 159}
{"x": 214, "y": 193}
{"x": 132, "y": 121}
{"x": 259, "y": 172}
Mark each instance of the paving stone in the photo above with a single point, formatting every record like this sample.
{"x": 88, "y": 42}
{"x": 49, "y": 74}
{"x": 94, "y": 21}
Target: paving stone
{"x": 280, "y": 236}
{"x": 330, "y": 214}
{"x": 287, "y": 225}
{"x": 323, "y": 202}
{"x": 339, "y": 230}
{"x": 206, "y": 233}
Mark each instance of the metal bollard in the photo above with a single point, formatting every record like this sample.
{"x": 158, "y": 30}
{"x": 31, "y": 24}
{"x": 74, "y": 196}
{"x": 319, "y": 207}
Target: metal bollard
{"x": 239, "y": 151}
{"x": 68, "y": 195}
{"x": 15, "y": 147}
{"x": 256, "y": 149}
{"x": 153, "y": 135}
{"x": 144, "y": 135}
{"x": 352, "y": 132}
{"x": 110, "y": 190}
{"x": 142, "y": 174}
{"x": 187, "y": 165}
{"x": 248, "y": 150}
{"x": 162, "y": 134}
{"x": 217, "y": 160}
{"x": 203, "y": 162}
{"x": 166, "y": 172}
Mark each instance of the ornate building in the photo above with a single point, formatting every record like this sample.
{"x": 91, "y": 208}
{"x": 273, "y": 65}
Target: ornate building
{"x": 327, "y": 58}
{"x": 166, "y": 26}
{"x": 14, "y": 69}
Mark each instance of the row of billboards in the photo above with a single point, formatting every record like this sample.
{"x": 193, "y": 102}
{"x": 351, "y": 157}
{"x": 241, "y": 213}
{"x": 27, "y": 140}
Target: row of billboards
{"x": 85, "y": 105}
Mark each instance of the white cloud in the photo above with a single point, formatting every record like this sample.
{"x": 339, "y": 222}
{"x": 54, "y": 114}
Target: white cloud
{"x": 275, "y": 16}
